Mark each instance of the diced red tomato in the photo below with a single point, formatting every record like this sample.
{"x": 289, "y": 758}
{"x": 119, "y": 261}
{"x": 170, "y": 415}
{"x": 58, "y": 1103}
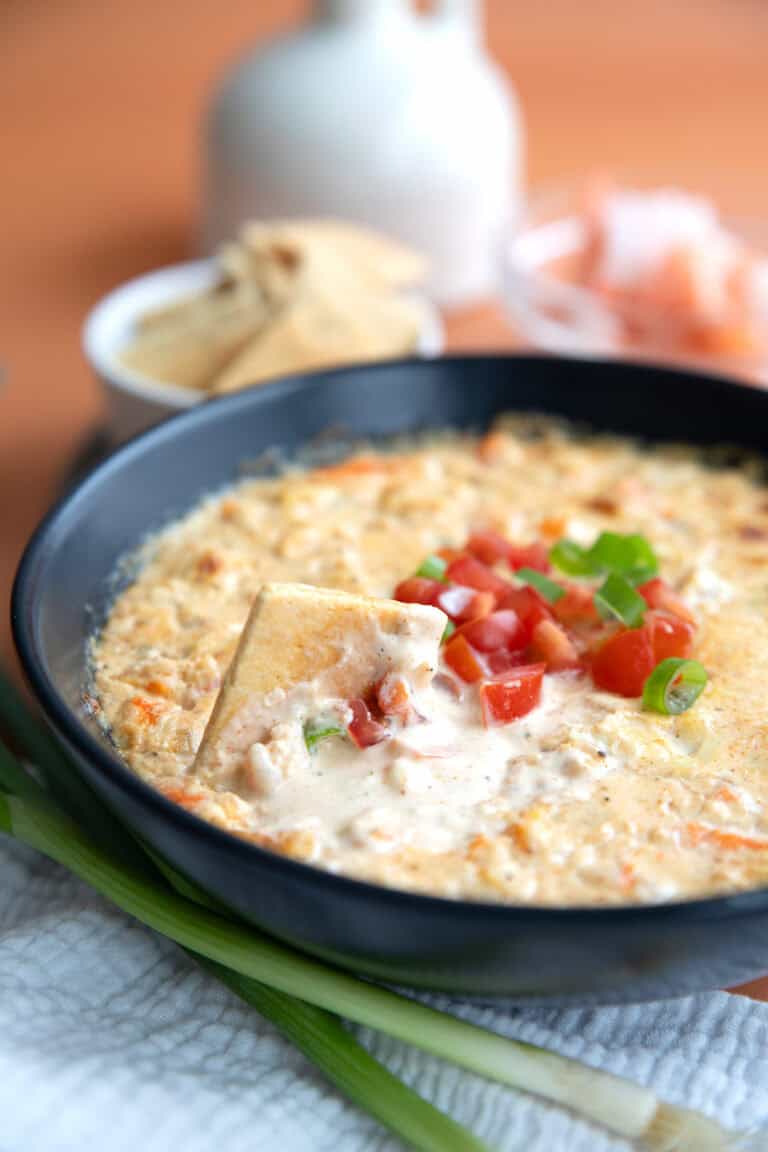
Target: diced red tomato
{"x": 502, "y": 629}
{"x": 470, "y": 572}
{"x": 534, "y": 556}
{"x": 489, "y": 547}
{"x": 418, "y": 590}
{"x": 624, "y": 662}
{"x": 499, "y": 627}
{"x": 449, "y": 554}
{"x": 512, "y": 695}
{"x": 363, "y": 729}
{"x": 577, "y": 606}
{"x": 670, "y": 636}
{"x": 492, "y": 548}
{"x": 502, "y": 660}
{"x": 529, "y": 606}
{"x": 393, "y": 696}
{"x": 461, "y": 603}
{"x": 465, "y": 662}
{"x": 658, "y": 594}
{"x": 551, "y": 645}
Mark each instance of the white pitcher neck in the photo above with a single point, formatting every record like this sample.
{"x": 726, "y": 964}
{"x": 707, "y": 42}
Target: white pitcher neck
{"x": 345, "y": 11}
{"x": 465, "y": 15}
{"x": 463, "y": 18}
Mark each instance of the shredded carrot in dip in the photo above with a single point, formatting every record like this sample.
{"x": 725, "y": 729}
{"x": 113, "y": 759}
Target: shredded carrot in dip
{"x": 726, "y": 795}
{"x": 182, "y": 797}
{"x": 359, "y": 466}
{"x": 158, "y": 688}
{"x": 209, "y": 564}
{"x": 491, "y": 448}
{"x": 519, "y": 833}
{"x": 148, "y": 710}
{"x": 552, "y": 527}
{"x": 628, "y": 878}
{"x": 729, "y": 841}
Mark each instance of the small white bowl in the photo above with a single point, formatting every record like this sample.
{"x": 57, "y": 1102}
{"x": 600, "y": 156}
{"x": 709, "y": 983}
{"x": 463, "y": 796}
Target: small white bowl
{"x": 135, "y": 402}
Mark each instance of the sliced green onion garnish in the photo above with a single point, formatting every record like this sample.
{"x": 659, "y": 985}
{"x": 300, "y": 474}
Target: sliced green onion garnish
{"x": 613, "y": 552}
{"x": 639, "y": 575}
{"x": 547, "y": 588}
{"x": 674, "y": 685}
{"x": 314, "y": 733}
{"x": 571, "y": 558}
{"x": 433, "y": 568}
{"x": 630, "y": 556}
{"x": 450, "y": 628}
{"x": 616, "y": 599}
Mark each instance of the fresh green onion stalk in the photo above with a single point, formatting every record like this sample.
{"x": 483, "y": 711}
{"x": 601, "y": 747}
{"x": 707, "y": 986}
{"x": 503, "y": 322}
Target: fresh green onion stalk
{"x": 328, "y": 1044}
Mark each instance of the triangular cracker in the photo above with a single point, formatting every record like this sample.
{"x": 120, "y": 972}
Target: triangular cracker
{"x": 302, "y": 643}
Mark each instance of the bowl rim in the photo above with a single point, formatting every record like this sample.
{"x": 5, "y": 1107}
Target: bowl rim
{"x": 190, "y": 275}
{"x": 102, "y": 358}
{"x": 24, "y": 618}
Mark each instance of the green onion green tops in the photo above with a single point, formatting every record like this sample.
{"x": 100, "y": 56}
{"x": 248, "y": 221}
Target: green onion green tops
{"x": 630, "y": 556}
{"x": 449, "y": 630}
{"x": 640, "y": 575}
{"x": 547, "y": 588}
{"x": 314, "y": 733}
{"x": 674, "y": 686}
{"x": 616, "y": 599}
{"x": 571, "y": 558}
{"x": 625, "y": 555}
{"x": 433, "y": 568}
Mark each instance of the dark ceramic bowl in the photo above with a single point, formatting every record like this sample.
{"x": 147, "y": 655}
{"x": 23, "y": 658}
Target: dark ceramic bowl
{"x": 67, "y": 577}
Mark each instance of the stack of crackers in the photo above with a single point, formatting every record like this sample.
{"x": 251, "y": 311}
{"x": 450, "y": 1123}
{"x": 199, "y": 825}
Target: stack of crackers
{"x": 289, "y": 296}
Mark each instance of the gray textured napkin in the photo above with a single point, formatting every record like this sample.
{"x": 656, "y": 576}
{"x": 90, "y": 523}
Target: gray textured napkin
{"x": 112, "y": 1039}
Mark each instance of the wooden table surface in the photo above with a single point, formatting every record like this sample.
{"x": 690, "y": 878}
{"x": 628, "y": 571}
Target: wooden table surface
{"x": 100, "y": 107}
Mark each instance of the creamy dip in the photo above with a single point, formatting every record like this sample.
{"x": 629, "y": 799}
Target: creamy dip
{"x": 437, "y": 783}
{"x": 587, "y": 799}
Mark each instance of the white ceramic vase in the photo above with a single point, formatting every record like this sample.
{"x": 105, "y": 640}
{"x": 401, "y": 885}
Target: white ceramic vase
{"x": 377, "y": 114}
